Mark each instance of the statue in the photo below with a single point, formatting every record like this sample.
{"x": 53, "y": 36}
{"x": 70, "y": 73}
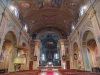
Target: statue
{"x": 49, "y": 57}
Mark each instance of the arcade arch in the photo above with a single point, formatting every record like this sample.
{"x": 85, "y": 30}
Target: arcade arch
{"x": 90, "y": 50}
{"x": 9, "y": 51}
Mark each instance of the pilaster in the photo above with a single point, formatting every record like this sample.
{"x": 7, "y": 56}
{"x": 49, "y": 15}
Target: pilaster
{"x": 36, "y": 62}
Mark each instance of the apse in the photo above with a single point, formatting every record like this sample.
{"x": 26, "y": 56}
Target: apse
{"x": 49, "y": 53}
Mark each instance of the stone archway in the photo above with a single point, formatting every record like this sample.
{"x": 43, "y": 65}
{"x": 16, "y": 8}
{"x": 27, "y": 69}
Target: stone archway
{"x": 9, "y": 50}
{"x": 90, "y": 50}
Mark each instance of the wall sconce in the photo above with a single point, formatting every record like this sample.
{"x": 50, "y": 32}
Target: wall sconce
{"x": 75, "y": 56}
{"x": 35, "y": 58}
{"x": 63, "y": 57}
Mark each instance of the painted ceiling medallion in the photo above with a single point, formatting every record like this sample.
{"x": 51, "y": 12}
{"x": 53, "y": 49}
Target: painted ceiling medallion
{"x": 25, "y": 5}
{"x": 72, "y": 5}
{"x": 49, "y": 3}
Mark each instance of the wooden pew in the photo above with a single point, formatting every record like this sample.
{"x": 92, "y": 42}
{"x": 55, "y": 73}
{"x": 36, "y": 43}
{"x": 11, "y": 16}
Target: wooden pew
{"x": 77, "y": 72}
{"x": 2, "y": 71}
{"x": 33, "y": 72}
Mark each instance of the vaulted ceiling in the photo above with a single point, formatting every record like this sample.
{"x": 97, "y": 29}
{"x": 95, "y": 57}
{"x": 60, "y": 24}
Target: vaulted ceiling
{"x": 56, "y": 14}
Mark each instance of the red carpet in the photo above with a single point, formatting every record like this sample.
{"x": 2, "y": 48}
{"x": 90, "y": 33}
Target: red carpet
{"x": 49, "y": 73}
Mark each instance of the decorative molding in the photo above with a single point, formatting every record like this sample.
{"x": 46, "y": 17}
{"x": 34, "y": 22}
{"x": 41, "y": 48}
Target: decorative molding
{"x": 92, "y": 14}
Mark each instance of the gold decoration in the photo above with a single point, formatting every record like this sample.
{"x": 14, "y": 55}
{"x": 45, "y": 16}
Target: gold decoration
{"x": 5, "y": 15}
{"x": 92, "y": 14}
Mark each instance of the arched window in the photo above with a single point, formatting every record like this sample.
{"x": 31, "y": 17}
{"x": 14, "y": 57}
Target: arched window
{"x": 82, "y": 10}
{"x": 14, "y": 10}
{"x": 26, "y": 27}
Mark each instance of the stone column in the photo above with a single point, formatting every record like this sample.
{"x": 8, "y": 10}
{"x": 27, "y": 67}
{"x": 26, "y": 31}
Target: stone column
{"x": 96, "y": 28}
{"x": 71, "y": 55}
{"x": 63, "y": 63}
{"x": 36, "y": 63}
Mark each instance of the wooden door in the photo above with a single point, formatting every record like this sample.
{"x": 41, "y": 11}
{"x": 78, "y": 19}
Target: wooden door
{"x": 68, "y": 64}
{"x": 31, "y": 65}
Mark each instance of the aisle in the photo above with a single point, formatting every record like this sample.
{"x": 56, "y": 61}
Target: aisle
{"x": 50, "y": 73}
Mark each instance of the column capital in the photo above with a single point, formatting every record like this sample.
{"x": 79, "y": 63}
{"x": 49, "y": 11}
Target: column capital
{"x": 62, "y": 41}
{"x": 36, "y": 40}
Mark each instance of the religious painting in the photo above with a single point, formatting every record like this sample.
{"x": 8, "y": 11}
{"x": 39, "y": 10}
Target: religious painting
{"x": 2, "y": 55}
{"x": 96, "y": 53}
{"x": 49, "y": 3}
{"x": 67, "y": 54}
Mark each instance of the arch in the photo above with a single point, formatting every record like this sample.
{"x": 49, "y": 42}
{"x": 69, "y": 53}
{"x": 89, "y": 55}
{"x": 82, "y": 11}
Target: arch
{"x": 87, "y": 29}
{"x": 9, "y": 50}
{"x": 10, "y": 35}
{"x": 46, "y": 30}
{"x": 11, "y": 30}
{"x": 48, "y": 51}
{"x": 89, "y": 50}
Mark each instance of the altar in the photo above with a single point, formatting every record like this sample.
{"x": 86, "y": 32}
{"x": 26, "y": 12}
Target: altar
{"x": 49, "y": 67}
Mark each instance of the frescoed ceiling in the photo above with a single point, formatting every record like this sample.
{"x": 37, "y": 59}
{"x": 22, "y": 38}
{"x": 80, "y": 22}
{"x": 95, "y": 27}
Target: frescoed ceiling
{"x": 42, "y": 14}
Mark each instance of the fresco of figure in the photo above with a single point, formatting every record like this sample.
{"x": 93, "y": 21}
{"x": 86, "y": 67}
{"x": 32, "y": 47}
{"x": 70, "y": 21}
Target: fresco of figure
{"x": 49, "y": 3}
